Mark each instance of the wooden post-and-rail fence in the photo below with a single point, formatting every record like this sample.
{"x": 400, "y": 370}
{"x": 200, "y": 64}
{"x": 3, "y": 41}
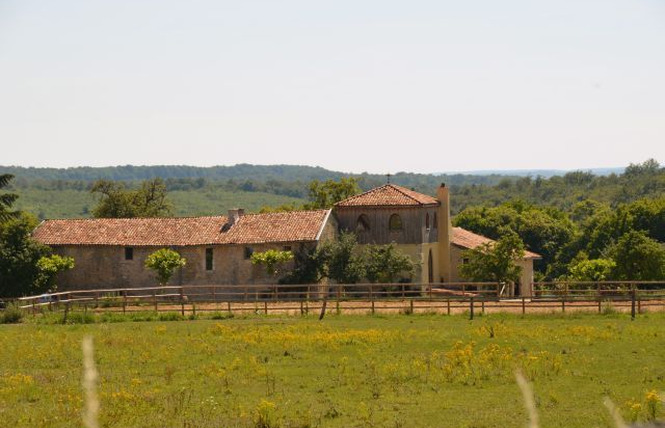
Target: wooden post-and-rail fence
{"x": 445, "y": 298}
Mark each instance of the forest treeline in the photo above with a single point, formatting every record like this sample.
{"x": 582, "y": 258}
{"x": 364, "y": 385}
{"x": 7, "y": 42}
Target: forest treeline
{"x": 254, "y": 186}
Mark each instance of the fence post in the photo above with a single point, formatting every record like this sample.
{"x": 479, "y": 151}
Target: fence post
{"x": 448, "y": 301}
{"x": 411, "y": 305}
{"x": 339, "y": 296}
{"x": 124, "y": 301}
{"x": 632, "y": 303}
{"x": 307, "y": 300}
{"x": 471, "y": 308}
{"x": 371, "y": 296}
{"x": 563, "y": 303}
{"x": 228, "y": 304}
{"x": 182, "y": 302}
{"x": 523, "y": 305}
{"x": 265, "y": 306}
{"x": 482, "y": 305}
{"x": 154, "y": 299}
{"x": 64, "y": 319}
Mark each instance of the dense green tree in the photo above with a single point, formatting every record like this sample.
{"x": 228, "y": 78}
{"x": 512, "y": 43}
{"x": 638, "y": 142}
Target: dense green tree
{"x": 325, "y": 195}
{"x": 648, "y": 167}
{"x": 586, "y": 269}
{"x": 344, "y": 264}
{"x": 117, "y": 201}
{"x": 495, "y": 261}
{"x": 50, "y": 266}
{"x": 638, "y": 258}
{"x": 6, "y": 199}
{"x": 309, "y": 266}
{"x": 272, "y": 260}
{"x": 386, "y": 263}
{"x": 163, "y": 263}
{"x": 20, "y": 274}
{"x": 544, "y": 230}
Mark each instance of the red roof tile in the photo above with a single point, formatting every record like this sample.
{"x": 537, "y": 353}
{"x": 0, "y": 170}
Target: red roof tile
{"x": 467, "y": 239}
{"x": 294, "y": 226}
{"x": 388, "y": 195}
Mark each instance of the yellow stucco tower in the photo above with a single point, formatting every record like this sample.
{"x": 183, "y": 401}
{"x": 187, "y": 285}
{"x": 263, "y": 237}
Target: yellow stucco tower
{"x": 445, "y": 231}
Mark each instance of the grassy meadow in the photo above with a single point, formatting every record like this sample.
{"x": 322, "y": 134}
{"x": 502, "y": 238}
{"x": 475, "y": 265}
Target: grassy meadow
{"x": 345, "y": 371}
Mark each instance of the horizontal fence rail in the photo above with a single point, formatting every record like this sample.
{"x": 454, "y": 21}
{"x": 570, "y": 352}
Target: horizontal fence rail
{"x": 449, "y": 298}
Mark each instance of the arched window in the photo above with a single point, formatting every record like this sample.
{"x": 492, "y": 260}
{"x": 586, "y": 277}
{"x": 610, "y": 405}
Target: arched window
{"x": 427, "y": 221}
{"x": 436, "y": 223}
{"x": 395, "y": 222}
{"x": 362, "y": 224}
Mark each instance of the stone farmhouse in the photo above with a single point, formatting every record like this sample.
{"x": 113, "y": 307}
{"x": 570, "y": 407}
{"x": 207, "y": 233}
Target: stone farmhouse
{"x": 110, "y": 253}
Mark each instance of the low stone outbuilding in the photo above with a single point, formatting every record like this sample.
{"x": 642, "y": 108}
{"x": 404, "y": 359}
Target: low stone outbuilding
{"x": 110, "y": 253}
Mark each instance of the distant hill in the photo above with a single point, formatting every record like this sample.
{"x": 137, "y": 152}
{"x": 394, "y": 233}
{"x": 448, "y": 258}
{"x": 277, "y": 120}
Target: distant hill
{"x": 258, "y": 173}
{"x": 545, "y": 173}
{"x": 54, "y": 192}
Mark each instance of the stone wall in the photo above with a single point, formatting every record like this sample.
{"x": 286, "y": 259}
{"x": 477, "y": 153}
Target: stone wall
{"x": 414, "y": 228}
{"x": 100, "y": 267}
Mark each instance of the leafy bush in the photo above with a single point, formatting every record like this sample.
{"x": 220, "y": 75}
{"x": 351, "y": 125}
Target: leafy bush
{"x": 170, "y": 316}
{"x": 12, "y": 314}
{"x": 164, "y": 262}
{"x": 80, "y": 318}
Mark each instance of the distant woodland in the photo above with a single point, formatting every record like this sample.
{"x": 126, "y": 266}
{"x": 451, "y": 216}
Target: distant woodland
{"x": 585, "y": 226}
{"x": 65, "y": 193}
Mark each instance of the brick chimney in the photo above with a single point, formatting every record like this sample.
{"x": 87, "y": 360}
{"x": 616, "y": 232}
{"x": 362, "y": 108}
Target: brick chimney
{"x": 234, "y": 216}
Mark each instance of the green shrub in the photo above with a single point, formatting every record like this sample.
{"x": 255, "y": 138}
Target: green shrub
{"x": 221, "y": 315}
{"x": 12, "y": 314}
{"x": 170, "y": 316}
{"x": 79, "y": 318}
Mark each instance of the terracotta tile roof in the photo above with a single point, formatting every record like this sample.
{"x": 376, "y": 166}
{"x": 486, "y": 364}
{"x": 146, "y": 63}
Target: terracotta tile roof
{"x": 469, "y": 240}
{"x": 294, "y": 226}
{"x": 388, "y": 195}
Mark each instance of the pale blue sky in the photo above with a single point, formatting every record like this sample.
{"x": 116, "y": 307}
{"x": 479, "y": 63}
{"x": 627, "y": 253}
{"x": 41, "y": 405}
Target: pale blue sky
{"x": 378, "y": 86}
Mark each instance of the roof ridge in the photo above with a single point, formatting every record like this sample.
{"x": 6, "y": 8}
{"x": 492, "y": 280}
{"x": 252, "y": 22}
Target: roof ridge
{"x": 359, "y": 194}
{"x": 285, "y": 212}
{"x": 401, "y": 190}
{"x": 131, "y": 218}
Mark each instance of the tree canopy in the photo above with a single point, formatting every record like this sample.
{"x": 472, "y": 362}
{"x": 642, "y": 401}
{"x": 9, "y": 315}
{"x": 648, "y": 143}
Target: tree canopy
{"x": 272, "y": 260}
{"x": 6, "y": 199}
{"x": 495, "y": 261}
{"x": 163, "y": 263}
{"x": 325, "y": 195}
{"x": 117, "y": 201}
{"x": 20, "y": 255}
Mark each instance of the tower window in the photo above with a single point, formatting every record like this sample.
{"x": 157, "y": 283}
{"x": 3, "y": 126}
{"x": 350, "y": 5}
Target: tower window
{"x": 129, "y": 253}
{"x": 362, "y": 224}
{"x": 436, "y": 223}
{"x": 395, "y": 222}
{"x": 427, "y": 221}
{"x": 248, "y": 252}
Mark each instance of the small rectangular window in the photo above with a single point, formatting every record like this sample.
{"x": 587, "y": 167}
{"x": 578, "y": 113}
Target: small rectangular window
{"x": 248, "y": 252}
{"x": 286, "y": 248}
{"x": 465, "y": 261}
{"x": 208, "y": 258}
{"x": 129, "y": 253}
